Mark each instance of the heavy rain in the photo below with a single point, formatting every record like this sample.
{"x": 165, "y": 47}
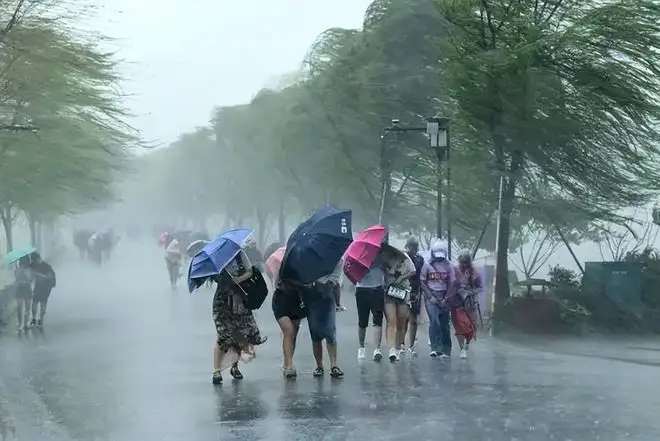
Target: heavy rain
{"x": 294, "y": 220}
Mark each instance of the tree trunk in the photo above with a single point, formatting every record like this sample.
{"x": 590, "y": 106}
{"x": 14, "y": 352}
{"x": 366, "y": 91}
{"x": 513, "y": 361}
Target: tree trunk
{"x": 262, "y": 217}
{"x": 281, "y": 236}
{"x": 32, "y": 223}
{"x": 502, "y": 291}
{"x": 7, "y": 221}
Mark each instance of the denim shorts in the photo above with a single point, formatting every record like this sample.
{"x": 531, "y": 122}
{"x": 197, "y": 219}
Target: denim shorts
{"x": 321, "y": 312}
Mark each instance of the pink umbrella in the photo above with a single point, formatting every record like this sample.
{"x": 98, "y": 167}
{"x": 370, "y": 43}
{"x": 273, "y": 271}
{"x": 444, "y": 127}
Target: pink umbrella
{"x": 362, "y": 252}
{"x": 274, "y": 262}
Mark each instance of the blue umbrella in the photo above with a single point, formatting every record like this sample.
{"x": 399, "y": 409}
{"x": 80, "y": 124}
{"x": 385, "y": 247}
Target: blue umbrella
{"x": 215, "y": 256}
{"x": 315, "y": 248}
{"x": 18, "y": 254}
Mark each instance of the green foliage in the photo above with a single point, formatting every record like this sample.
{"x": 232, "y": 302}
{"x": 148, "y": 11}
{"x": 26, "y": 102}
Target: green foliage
{"x": 555, "y": 97}
{"x": 61, "y": 91}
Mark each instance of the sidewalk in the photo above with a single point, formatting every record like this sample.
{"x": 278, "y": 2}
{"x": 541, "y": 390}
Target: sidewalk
{"x": 643, "y": 350}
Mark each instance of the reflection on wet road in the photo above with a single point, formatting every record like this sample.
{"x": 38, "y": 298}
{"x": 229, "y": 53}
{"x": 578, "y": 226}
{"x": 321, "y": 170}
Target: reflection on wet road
{"x": 122, "y": 358}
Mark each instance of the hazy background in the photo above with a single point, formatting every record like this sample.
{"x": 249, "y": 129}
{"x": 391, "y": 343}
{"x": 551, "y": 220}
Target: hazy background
{"x": 182, "y": 58}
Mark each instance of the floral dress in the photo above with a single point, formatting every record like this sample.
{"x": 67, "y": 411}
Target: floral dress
{"x": 234, "y": 323}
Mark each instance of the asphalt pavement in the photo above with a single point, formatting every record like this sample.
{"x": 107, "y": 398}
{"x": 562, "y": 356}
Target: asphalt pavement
{"x": 123, "y": 358}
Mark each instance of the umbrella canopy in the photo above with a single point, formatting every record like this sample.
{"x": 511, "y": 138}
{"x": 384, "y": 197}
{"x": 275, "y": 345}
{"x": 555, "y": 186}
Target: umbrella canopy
{"x": 315, "y": 248}
{"x": 361, "y": 254}
{"x": 215, "y": 256}
{"x": 274, "y": 262}
{"x": 196, "y": 247}
{"x": 16, "y": 255}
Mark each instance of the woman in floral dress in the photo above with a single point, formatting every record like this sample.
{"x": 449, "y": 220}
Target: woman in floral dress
{"x": 236, "y": 329}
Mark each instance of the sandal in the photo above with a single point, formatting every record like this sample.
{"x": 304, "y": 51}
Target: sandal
{"x": 236, "y": 373}
{"x": 318, "y": 372}
{"x": 217, "y": 377}
{"x": 335, "y": 372}
{"x": 289, "y": 372}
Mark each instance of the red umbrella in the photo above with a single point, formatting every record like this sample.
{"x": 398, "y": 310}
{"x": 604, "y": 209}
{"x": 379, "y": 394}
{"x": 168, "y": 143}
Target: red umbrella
{"x": 275, "y": 261}
{"x": 362, "y": 252}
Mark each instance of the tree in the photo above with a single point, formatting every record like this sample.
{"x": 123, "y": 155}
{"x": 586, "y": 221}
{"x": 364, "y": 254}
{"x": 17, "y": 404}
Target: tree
{"x": 557, "y": 93}
{"x": 66, "y": 89}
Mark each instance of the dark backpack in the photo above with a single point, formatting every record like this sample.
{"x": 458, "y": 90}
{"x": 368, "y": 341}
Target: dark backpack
{"x": 255, "y": 289}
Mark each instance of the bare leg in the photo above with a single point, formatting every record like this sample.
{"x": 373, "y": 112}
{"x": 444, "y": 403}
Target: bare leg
{"x": 401, "y": 323}
{"x": 362, "y": 333}
{"x": 412, "y": 329}
{"x": 217, "y": 358}
{"x": 317, "y": 349}
{"x": 20, "y": 304}
{"x": 290, "y": 332}
{"x": 391, "y": 318}
{"x": 378, "y": 336}
{"x": 332, "y": 353}
{"x": 34, "y": 307}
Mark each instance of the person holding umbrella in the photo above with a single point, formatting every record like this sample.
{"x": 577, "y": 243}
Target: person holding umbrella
{"x": 44, "y": 282}
{"x": 399, "y": 268}
{"x": 24, "y": 277}
{"x": 236, "y": 329}
{"x": 313, "y": 252}
{"x": 363, "y": 265}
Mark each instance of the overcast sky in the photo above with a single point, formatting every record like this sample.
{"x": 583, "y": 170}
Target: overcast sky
{"x": 182, "y": 58}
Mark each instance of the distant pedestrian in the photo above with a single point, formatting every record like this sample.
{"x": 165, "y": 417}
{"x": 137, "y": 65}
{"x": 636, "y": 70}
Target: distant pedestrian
{"x": 44, "y": 282}
{"x": 24, "y": 277}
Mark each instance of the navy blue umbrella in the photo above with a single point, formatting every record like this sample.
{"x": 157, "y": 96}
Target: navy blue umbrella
{"x": 315, "y": 248}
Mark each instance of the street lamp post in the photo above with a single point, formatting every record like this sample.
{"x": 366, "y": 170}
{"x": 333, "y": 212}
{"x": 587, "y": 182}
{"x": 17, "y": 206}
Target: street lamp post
{"x": 437, "y": 131}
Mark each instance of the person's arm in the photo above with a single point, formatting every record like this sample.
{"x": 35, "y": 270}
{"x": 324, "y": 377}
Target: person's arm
{"x": 423, "y": 275}
{"x": 243, "y": 261}
{"x": 52, "y": 275}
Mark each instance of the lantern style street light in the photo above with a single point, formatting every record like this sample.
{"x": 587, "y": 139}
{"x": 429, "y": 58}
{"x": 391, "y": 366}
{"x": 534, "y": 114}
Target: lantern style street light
{"x": 437, "y": 132}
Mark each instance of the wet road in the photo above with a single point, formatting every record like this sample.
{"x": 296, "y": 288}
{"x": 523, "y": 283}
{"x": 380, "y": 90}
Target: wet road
{"x": 122, "y": 358}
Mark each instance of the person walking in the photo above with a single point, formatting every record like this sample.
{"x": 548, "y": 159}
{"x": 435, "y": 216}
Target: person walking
{"x": 24, "y": 277}
{"x": 236, "y": 328}
{"x": 467, "y": 301}
{"x": 321, "y": 301}
{"x": 398, "y": 271}
{"x": 412, "y": 249}
{"x": 370, "y": 299}
{"x": 173, "y": 257}
{"x": 44, "y": 282}
{"x": 288, "y": 309}
{"x": 438, "y": 282}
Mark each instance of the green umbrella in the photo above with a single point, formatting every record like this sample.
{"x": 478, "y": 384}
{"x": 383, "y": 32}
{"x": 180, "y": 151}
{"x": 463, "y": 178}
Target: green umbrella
{"x": 18, "y": 254}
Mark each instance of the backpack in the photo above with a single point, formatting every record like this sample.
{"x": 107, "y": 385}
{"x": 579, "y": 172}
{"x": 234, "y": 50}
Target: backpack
{"x": 255, "y": 290}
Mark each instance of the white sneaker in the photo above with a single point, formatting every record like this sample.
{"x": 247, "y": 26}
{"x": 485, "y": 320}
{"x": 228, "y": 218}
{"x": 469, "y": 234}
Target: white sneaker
{"x": 362, "y": 354}
{"x": 411, "y": 352}
{"x": 463, "y": 353}
{"x": 394, "y": 356}
{"x": 434, "y": 354}
{"x": 378, "y": 355}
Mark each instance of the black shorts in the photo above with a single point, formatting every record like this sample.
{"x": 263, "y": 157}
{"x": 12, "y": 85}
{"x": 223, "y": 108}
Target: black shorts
{"x": 370, "y": 301}
{"x": 41, "y": 295}
{"x": 288, "y": 304}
